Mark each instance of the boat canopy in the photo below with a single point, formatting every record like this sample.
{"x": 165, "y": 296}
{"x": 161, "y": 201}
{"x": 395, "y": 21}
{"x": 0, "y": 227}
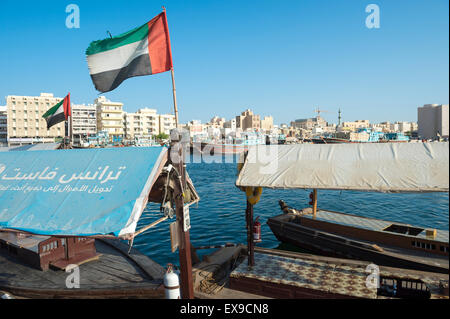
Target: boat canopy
{"x": 32, "y": 147}
{"x": 85, "y": 192}
{"x": 381, "y": 167}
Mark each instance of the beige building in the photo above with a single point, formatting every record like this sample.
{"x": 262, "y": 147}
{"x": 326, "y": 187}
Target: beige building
{"x": 143, "y": 123}
{"x": 109, "y": 117}
{"x": 217, "y": 122}
{"x": 433, "y": 121}
{"x": 25, "y": 123}
{"x": 353, "y": 126}
{"x": 248, "y": 121}
{"x": 231, "y": 124}
{"x": 267, "y": 123}
{"x": 309, "y": 124}
{"x": 146, "y": 123}
{"x": 3, "y": 127}
{"x": 166, "y": 123}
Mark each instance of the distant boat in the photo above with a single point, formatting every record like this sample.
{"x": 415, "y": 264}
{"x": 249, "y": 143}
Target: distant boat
{"x": 330, "y": 140}
{"x": 229, "y": 146}
{"x": 223, "y": 149}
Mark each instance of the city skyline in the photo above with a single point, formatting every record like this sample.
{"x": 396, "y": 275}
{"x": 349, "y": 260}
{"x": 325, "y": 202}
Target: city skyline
{"x": 208, "y": 118}
{"x": 225, "y": 59}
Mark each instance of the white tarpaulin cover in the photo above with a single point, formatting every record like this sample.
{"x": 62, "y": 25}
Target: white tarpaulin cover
{"x": 379, "y": 167}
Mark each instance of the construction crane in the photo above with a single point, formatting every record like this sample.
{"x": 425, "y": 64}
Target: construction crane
{"x": 318, "y": 111}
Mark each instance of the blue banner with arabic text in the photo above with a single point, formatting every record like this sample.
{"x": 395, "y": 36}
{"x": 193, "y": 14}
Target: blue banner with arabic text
{"x": 77, "y": 192}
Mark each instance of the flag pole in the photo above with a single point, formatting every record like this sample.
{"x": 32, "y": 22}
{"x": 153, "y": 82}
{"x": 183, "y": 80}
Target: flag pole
{"x": 187, "y": 284}
{"x": 174, "y": 90}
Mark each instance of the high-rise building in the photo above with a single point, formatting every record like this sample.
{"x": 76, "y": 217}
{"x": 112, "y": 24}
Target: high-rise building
{"x": 109, "y": 118}
{"x": 25, "y": 124}
{"x": 248, "y": 121}
{"x": 3, "y": 126}
{"x": 432, "y": 120}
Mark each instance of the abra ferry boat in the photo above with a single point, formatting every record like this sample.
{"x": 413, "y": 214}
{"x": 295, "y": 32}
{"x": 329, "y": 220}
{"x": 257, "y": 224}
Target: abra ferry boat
{"x": 382, "y": 242}
{"x": 375, "y": 167}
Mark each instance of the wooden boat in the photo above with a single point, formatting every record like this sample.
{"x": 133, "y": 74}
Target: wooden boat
{"x": 330, "y": 140}
{"x": 223, "y": 149}
{"x": 349, "y": 236}
{"x": 60, "y": 235}
{"x": 224, "y": 274}
{"x": 115, "y": 274}
{"x": 374, "y": 167}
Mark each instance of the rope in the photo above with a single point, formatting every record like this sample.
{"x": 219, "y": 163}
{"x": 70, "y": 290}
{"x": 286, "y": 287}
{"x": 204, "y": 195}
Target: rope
{"x": 140, "y": 231}
{"x": 211, "y": 283}
{"x": 215, "y": 278}
{"x": 216, "y": 246}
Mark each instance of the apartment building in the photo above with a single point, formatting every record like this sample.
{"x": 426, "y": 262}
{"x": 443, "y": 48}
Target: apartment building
{"x": 147, "y": 122}
{"x": 3, "y": 127}
{"x": 217, "y": 122}
{"x": 84, "y": 121}
{"x": 25, "y": 124}
{"x": 166, "y": 123}
{"x": 433, "y": 121}
{"x": 231, "y": 124}
{"x": 110, "y": 118}
{"x": 267, "y": 123}
{"x": 309, "y": 124}
{"x": 248, "y": 121}
{"x": 354, "y": 126}
{"x": 143, "y": 123}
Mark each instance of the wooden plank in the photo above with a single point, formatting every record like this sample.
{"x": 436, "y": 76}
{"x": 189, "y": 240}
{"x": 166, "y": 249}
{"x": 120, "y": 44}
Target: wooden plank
{"x": 151, "y": 268}
{"x": 113, "y": 275}
{"x": 227, "y": 293}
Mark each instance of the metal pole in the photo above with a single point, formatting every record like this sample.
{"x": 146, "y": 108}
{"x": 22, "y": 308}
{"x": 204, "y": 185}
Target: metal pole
{"x": 250, "y": 243}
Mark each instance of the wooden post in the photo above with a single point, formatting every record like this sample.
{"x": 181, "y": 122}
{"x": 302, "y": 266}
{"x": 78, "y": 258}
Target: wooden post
{"x": 174, "y": 90}
{"x": 174, "y": 93}
{"x": 314, "y": 203}
{"x": 187, "y": 286}
{"x": 250, "y": 242}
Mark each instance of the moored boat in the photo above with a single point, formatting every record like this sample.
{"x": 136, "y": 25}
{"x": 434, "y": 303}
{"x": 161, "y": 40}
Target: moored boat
{"x": 372, "y": 167}
{"x": 349, "y": 236}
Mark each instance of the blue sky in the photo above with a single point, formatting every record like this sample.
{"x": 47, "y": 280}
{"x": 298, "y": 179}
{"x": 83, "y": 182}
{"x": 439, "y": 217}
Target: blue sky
{"x": 279, "y": 58}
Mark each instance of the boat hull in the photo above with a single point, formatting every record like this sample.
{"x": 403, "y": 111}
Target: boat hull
{"x": 219, "y": 149}
{"x": 329, "y": 244}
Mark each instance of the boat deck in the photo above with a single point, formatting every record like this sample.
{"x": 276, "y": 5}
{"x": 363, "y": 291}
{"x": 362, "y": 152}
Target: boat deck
{"x": 372, "y": 224}
{"x": 294, "y": 275}
{"x": 328, "y": 279}
{"x": 114, "y": 275}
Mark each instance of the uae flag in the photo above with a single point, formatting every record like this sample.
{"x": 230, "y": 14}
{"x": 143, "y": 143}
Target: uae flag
{"x": 58, "y": 113}
{"x": 141, "y": 51}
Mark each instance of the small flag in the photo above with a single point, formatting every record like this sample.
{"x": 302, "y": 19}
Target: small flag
{"x": 141, "y": 51}
{"x": 58, "y": 113}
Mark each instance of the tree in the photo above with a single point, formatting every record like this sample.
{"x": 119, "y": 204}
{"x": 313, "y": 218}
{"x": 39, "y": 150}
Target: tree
{"x": 162, "y": 136}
